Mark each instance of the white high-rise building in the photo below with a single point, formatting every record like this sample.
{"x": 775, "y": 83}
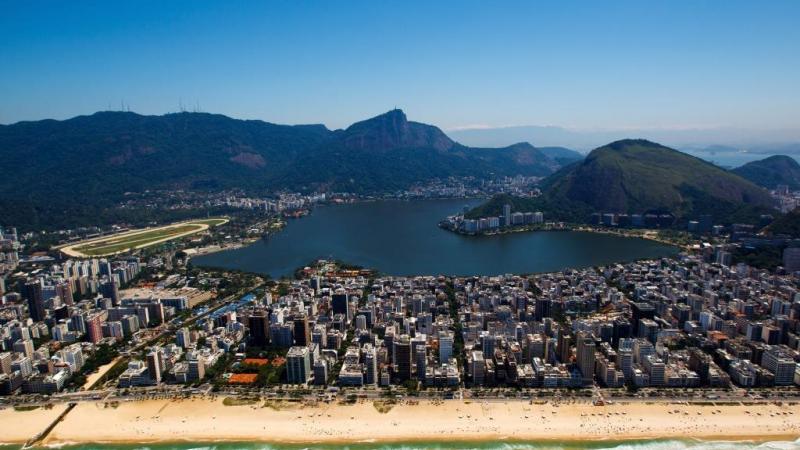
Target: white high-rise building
{"x": 446, "y": 339}
{"x": 298, "y": 365}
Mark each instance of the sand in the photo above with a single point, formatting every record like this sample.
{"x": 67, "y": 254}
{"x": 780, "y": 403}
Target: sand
{"x": 95, "y": 376}
{"x": 203, "y": 420}
{"x": 19, "y": 426}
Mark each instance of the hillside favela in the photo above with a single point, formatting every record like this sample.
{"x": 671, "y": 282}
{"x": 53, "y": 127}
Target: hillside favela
{"x": 267, "y": 225}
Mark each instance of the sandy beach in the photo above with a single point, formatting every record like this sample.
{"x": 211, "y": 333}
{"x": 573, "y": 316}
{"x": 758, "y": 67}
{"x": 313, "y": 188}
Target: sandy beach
{"x": 17, "y": 427}
{"x": 202, "y": 420}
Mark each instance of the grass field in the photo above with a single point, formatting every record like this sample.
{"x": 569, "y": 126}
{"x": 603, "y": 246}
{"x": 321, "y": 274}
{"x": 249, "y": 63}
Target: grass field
{"x": 130, "y": 240}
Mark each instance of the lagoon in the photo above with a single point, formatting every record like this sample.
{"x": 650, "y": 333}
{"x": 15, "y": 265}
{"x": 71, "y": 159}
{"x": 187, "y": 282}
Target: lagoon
{"x": 402, "y": 238}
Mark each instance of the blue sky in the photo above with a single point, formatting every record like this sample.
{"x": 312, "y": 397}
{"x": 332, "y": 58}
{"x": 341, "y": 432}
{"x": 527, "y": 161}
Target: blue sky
{"x": 587, "y": 65}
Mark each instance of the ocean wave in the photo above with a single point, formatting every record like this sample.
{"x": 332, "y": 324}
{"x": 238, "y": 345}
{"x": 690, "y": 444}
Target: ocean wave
{"x": 706, "y": 445}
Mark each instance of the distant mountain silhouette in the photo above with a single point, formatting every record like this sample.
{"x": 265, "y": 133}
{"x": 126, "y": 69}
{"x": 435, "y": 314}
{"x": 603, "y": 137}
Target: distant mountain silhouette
{"x": 703, "y": 140}
{"x": 771, "y": 172}
{"x": 562, "y": 155}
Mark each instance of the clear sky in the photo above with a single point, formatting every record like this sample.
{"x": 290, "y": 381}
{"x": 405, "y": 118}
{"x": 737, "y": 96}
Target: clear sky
{"x": 588, "y": 65}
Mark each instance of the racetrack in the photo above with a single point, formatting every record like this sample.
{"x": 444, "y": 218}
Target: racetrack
{"x": 131, "y": 240}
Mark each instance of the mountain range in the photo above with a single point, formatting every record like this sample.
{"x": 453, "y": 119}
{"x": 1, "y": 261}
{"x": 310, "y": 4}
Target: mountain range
{"x": 75, "y": 172}
{"x": 78, "y": 167}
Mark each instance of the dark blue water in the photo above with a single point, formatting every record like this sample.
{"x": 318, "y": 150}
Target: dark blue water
{"x": 402, "y": 238}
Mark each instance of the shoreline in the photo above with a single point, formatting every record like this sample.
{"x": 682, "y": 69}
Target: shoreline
{"x": 647, "y": 235}
{"x": 194, "y": 252}
{"x": 448, "y": 421}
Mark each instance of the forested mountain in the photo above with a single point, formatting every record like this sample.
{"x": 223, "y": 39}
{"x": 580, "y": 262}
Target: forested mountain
{"x": 57, "y": 170}
{"x": 771, "y": 172}
{"x": 638, "y": 176}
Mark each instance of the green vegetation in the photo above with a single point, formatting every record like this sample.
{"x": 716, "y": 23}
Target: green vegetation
{"x": 240, "y": 401}
{"x": 214, "y": 373}
{"x": 494, "y": 206}
{"x": 278, "y": 405}
{"x": 98, "y": 158}
{"x": 337, "y": 366}
{"x": 637, "y": 177}
{"x": 766, "y": 257}
{"x": 118, "y": 244}
{"x": 412, "y": 387}
{"x": 24, "y": 408}
{"x": 383, "y": 406}
{"x": 269, "y": 374}
{"x": 772, "y": 171}
{"x": 102, "y": 156}
{"x": 788, "y": 225}
{"x": 282, "y": 289}
{"x": 102, "y": 355}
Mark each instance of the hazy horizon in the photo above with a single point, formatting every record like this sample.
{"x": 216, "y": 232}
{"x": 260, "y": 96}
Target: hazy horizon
{"x": 725, "y": 146}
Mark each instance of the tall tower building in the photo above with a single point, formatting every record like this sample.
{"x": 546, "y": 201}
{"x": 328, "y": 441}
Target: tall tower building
{"x": 403, "y": 358}
{"x": 298, "y": 365}
{"x": 507, "y": 215}
{"x": 446, "y": 339}
{"x": 586, "y": 357}
{"x": 564, "y": 345}
{"x": 33, "y": 293}
{"x": 340, "y": 304}
{"x": 258, "y": 323}
{"x": 110, "y": 289}
{"x": 370, "y": 364}
{"x": 94, "y": 328}
{"x": 421, "y": 356}
{"x": 155, "y": 365}
{"x": 302, "y": 331}
{"x": 542, "y": 308}
{"x": 639, "y": 311}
